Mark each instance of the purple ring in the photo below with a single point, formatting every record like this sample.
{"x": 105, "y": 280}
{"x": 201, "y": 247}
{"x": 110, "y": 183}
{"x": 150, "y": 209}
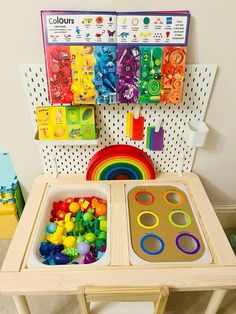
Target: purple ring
{"x": 191, "y": 236}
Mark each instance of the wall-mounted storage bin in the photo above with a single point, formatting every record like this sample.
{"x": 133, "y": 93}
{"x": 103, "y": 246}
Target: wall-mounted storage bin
{"x": 196, "y": 133}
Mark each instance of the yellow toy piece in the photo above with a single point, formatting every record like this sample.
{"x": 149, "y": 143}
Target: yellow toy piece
{"x": 69, "y": 225}
{"x": 74, "y": 207}
{"x": 82, "y": 65}
{"x": 103, "y": 225}
{"x": 57, "y": 237}
{"x": 85, "y": 204}
{"x": 69, "y": 242}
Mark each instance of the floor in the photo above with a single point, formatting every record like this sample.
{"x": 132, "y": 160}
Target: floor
{"x": 178, "y": 303}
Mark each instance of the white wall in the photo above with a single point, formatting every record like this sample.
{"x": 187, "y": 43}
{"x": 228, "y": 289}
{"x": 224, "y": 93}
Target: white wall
{"x": 212, "y": 40}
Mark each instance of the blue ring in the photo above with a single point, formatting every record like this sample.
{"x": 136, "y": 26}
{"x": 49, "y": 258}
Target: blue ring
{"x": 110, "y": 173}
{"x": 152, "y": 236}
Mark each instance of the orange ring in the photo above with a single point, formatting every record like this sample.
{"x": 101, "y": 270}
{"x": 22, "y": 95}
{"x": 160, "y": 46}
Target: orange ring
{"x": 145, "y": 204}
{"x": 181, "y": 198}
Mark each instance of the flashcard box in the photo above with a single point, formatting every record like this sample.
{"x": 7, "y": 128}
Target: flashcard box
{"x": 80, "y": 55}
{"x": 151, "y": 54}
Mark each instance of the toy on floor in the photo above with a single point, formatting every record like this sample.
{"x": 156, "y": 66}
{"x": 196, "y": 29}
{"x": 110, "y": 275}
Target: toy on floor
{"x": 11, "y": 199}
{"x": 163, "y": 227}
{"x": 120, "y": 162}
{"x": 76, "y": 233}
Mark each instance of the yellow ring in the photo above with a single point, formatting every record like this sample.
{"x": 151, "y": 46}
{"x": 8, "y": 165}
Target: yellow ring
{"x": 182, "y": 212}
{"x": 150, "y": 213}
{"x": 181, "y": 199}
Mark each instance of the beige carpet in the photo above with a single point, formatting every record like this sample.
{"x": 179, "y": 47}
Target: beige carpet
{"x": 178, "y": 303}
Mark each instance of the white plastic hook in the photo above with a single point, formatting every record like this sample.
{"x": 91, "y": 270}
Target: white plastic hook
{"x": 137, "y": 110}
{"x": 158, "y": 124}
{"x": 55, "y": 175}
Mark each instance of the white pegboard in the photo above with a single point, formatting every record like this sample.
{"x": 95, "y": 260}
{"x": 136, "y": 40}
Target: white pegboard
{"x": 110, "y": 120}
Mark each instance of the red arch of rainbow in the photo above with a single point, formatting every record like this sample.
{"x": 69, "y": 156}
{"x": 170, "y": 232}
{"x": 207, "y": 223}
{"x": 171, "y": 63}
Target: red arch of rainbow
{"x": 120, "y": 162}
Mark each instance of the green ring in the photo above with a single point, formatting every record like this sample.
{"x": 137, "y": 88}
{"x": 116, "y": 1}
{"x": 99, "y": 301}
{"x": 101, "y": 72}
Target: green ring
{"x": 182, "y": 212}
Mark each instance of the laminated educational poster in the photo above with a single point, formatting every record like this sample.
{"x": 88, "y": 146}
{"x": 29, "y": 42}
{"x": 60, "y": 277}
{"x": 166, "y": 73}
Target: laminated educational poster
{"x": 151, "y": 54}
{"x": 80, "y": 54}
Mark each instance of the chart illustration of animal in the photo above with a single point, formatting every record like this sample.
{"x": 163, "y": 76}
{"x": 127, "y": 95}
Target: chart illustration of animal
{"x": 110, "y": 33}
{"x": 98, "y": 35}
{"x": 124, "y": 35}
{"x": 77, "y": 30}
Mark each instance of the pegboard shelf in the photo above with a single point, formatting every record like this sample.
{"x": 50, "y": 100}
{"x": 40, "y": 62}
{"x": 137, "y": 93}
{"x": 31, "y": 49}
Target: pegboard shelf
{"x": 110, "y": 120}
{"x": 66, "y": 142}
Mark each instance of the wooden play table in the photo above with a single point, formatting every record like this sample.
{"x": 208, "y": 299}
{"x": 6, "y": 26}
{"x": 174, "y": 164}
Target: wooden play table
{"x": 120, "y": 281}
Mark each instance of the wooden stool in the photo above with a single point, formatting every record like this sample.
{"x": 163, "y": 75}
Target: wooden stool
{"x": 158, "y": 295}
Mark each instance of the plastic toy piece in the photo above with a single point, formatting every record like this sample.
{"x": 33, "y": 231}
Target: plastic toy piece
{"x": 120, "y": 162}
{"x": 85, "y": 205}
{"x": 101, "y": 209}
{"x": 103, "y": 225}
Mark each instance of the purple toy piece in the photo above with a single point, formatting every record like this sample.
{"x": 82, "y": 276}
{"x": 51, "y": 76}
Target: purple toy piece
{"x": 88, "y": 259}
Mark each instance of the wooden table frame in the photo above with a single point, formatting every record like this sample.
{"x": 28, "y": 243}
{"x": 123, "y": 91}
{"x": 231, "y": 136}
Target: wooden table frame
{"x": 18, "y": 281}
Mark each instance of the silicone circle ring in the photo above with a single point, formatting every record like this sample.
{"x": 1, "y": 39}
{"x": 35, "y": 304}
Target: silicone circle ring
{"x": 157, "y": 238}
{"x": 191, "y": 236}
{"x": 181, "y": 199}
{"x": 181, "y": 212}
{"x": 147, "y": 213}
{"x": 144, "y": 203}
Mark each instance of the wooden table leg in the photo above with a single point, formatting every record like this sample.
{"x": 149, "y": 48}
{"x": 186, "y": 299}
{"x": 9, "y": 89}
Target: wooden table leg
{"x": 159, "y": 306}
{"x": 215, "y": 301}
{"x": 82, "y": 302}
{"x": 21, "y": 304}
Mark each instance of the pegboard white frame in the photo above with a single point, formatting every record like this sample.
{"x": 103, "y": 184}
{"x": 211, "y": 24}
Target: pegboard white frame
{"x": 110, "y": 120}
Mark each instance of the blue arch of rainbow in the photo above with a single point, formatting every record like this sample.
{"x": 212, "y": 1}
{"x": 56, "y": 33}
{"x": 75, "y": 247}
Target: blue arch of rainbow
{"x": 120, "y": 162}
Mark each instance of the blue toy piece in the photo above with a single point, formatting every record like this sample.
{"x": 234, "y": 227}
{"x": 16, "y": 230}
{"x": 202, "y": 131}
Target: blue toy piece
{"x": 61, "y": 259}
{"x": 51, "y": 227}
